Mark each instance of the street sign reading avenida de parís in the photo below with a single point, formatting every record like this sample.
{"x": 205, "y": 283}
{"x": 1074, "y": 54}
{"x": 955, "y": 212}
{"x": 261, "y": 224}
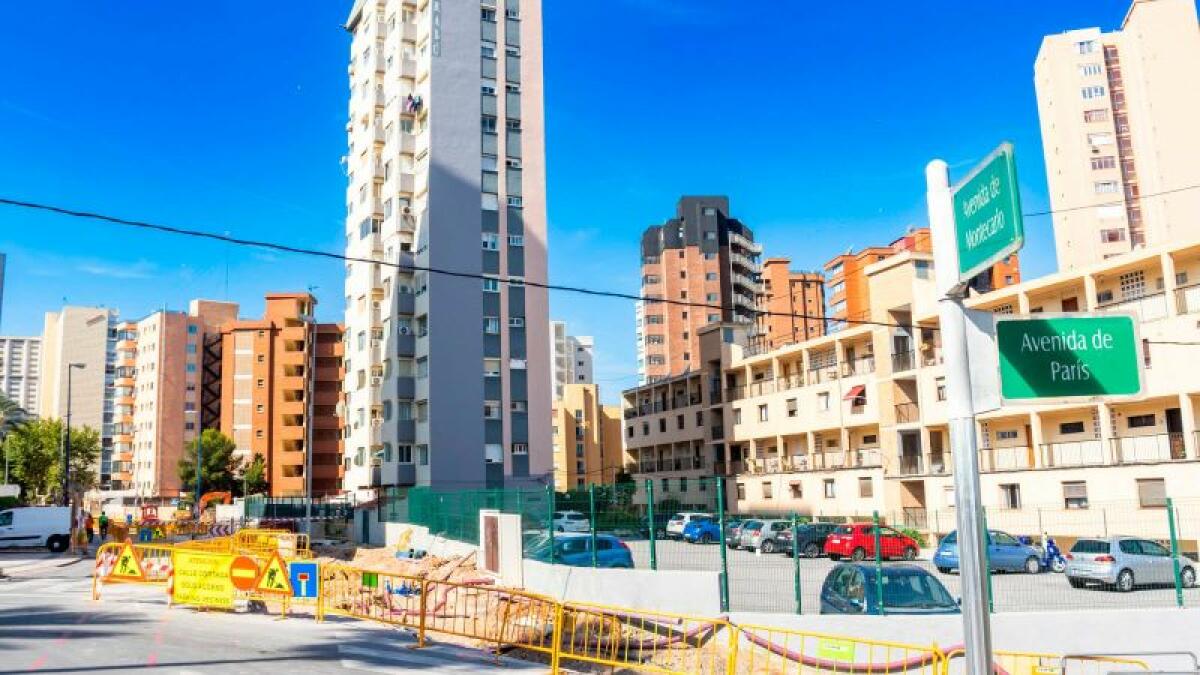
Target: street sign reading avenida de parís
{"x": 1068, "y": 355}
{"x": 987, "y": 214}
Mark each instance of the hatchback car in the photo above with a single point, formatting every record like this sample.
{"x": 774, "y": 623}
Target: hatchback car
{"x": 733, "y": 532}
{"x": 680, "y": 520}
{"x": 576, "y": 550}
{"x": 1123, "y": 563}
{"x": 857, "y": 542}
{"x": 1005, "y": 554}
{"x": 762, "y": 535}
{"x": 571, "y": 521}
{"x": 851, "y": 588}
{"x": 812, "y": 539}
{"x": 702, "y": 531}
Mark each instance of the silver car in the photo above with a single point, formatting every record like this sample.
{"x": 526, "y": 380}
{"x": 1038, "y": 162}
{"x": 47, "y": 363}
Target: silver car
{"x": 762, "y": 535}
{"x": 1125, "y": 562}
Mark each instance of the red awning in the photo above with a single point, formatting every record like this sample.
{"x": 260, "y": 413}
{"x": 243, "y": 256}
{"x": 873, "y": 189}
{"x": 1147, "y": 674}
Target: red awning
{"x": 855, "y": 391}
{"x": 794, "y": 483}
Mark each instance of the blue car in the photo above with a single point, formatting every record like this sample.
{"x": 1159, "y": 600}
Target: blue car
{"x": 702, "y": 531}
{"x": 575, "y": 549}
{"x": 1005, "y": 554}
{"x": 851, "y": 588}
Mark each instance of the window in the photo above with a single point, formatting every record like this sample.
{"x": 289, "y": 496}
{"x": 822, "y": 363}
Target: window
{"x": 1006, "y": 435}
{"x": 699, "y": 418}
{"x": 823, "y": 401}
{"x": 737, "y": 415}
{"x": 830, "y": 488}
{"x": 865, "y": 487}
{"x": 741, "y": 491}
{"x": 1140, "y": 421}
{"x": 1105, "y": 162}
{"x": 1070, "y": 428}
{"x": 1092, "y": 92}
{"x": 1088, "y": 69}
{"x": 1152, "y": 492}
{"x": 491, "y": 410}
{"x": 630, "y": 432}
{"x": 488, "y": 122}
{"x": 1112, "y": 235}
{"x": 1104, "y": 297}
{"x": 491, "y": 241}
{"x": 662, "y": 425}
{"x": 1100, "y": 139}
{"x": 793, "y": 407}
{"x": 520, "y": 448}
{"x": 579, "y": 449}
{"x": 1099, "y": 115}
{"x": 1106, "y": 187}
{"x": 1010, "y": 495}
{"x": 767, "y": 490}
{"x": 1133, "y": 285}
{"x": 1075, "y": 494}
{"x": 683, "y": 484}
{"x": 1086, "y": 47}
{"x": 487, "y": 49}
{"x": 797, "y": 489}
{"x": 762, "y": 413}
{"x": 516, "y": 322}
{"x": 679, "y": 421}
{"x": 710, "y": 276}
{"x": 491, "y": 325}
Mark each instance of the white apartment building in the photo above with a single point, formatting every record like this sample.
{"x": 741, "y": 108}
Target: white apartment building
{"x": 1118, "y": 119}
{"x": 447, "y": 377}
{"x": 571, "y": 359}
{"x": 20, "y": 368}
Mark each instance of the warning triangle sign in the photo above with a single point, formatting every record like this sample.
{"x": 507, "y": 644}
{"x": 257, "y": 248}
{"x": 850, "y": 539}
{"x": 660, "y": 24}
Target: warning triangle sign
{"x": 128, "y": 564}
{"x": 274, "y": 578}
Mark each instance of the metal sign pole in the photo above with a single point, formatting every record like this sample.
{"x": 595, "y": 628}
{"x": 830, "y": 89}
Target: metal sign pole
{"x": 977, "y": 629}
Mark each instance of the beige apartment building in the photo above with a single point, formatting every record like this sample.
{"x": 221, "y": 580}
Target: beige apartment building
{"x": 1118, "y": 119}
{"x": 20, "y": 368}
{"x": 587, "y": 438}
{"x": 856, "y": 422}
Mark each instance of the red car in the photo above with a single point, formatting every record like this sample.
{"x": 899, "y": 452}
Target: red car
{"x": 857, "y": 542}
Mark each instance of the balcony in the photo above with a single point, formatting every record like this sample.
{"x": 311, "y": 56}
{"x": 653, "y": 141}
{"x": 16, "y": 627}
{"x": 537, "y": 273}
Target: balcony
{"x": 907, "y": 413}
{"x": 1006, "y": 458}
{"x": 863, "y": 365}
{"x": 911, "y": 465}
{"x": 1148, "y": 307}
{"x": 1187, "y": 299}
{"x": 787, "y": 382}
{"x": 1075, "y": 453}
{"x": 903, "y": 361}
{"x": 931, "y": 357}
{"x": 408, "y": 68}
{"x": 393, "y": 475}
{"x": 1167, "y": 447}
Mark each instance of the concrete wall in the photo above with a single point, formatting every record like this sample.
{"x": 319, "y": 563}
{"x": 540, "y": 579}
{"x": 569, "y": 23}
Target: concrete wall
{"x": 695, "y": 593}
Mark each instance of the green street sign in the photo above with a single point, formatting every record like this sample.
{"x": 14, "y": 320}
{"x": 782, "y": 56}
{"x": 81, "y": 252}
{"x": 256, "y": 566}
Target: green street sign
{"x": 987, "y": 214}
{"x": 1068, "y": 356}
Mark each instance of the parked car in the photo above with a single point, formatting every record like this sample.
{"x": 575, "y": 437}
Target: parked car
{"x": 571, "y": 521}
{"x": 812, "y": 539}
{"x": 573, "y": 548}
{"x": 733, "y": 531}
{"x": 857, "y": 542}
{"x": 762, "y": 535}
{"x": 48, "y": 526}
{"x": 850, "y": 588}
{"x": 1123, "y": 563}
{"x": 680, "y": 520}
{"x": 702, "y": 531}
{"x": 1005, "y": 554}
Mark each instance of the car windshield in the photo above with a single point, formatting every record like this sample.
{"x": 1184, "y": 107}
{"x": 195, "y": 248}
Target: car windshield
{"x": 678, "y": 516}
{"x": 951, "y": 538}
{"x": 915, "y": 591}
{"x": 1090, "y": 546}
{"x": 756, "y": 525}
{"x": 844, "y": 529}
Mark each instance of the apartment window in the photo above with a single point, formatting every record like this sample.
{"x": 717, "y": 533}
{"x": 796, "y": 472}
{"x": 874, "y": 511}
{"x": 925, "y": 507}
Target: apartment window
{"x": 191, "y": 367}
{"x": 579, "y": 449}
{"x": 687, "y": 356}
{"x": 258, "y": 408}
{"x": 1104, "y": 297}
{"x": 1010, "y": 495}
{"x": 679, "y": 421}
{"x": 1112, "y": 235}
{"x": 491, "y": 325}
{"x": 797, "y": 489}
{"x": 487, "y": 49}
{"x": 1098, "y": 115}
{"x": 491, "y": 410}
{"x": 1006, "y": 435}
{"x": 1070, "y": 428}
{"x": 645, "y": 428}
{"x": 1106, "y": 187}
{"x": 662, "y": 425}
{"x": 491, "y": 241}
{"x": 767, "y": 490}
{"x": 422, "y": 367}
{"x": 699, "y": 418}
{"x": 491, "y": 285}
{"x": 1181, "y": 278}
{"x": 737, "y": 415}
{"x": 710, "y": 297}
{"x": 940, "y": 384}
{"x": 491, "y": 367}
{"x": 683, "y": 484}
{"x": 520, "y": 406}
{"x": 866, "y": 488}
{"x": 712, "y": 318}
{"x": 710, "y": 276}
{"x": 793, "y": 407}
{"x": 260, "y": 383}
{"x": 1075, "y": 494}
{"x": 1152, "y": 492}
{"x": 666, "y": 485}
{"x": 516, "y": 240}
{"x": 1092, "y": 92}
{"x": 520, "y": 448}
{"x": 1140, "y": 421}
{"x": 629, "y": 431}
{"x": 762, "y": 413}
{"x": 1086, "y": 47}
{"x": 261, "y": 358}
{"x": 1133, "y": 285}
{"x": 488, "y": 122}
{"x": 1099, "y": 139}
{"x": 823, "y": 401}
{"x": 741, "y": 491}
{"x": 830, "y": 488}
{"x": 258, "y": 433}
{"x": 1105, "y": 162}
{"x": 517, "y": 322}
{"x": 1089, "y": 69}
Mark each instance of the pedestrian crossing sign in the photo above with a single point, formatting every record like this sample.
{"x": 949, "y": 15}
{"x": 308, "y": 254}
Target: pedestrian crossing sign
{"x": 128, "y": 565}
{"x": 274, "y": 578}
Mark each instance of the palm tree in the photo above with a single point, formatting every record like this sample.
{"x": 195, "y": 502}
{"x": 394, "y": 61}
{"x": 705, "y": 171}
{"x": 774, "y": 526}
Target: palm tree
{"x": 11, "y": 417}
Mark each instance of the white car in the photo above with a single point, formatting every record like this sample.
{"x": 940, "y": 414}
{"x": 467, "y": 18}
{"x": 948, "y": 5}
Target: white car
{"x": 680, "y": 520}
{"x": 571, "y": 521}
{"x": 36, "y": 526}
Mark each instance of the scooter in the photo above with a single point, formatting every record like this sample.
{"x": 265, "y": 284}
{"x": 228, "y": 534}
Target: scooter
{"x": 1052, "y": 557}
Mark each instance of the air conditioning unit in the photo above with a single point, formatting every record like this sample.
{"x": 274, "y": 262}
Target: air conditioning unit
{"x": 403, "y": 330}
{"x": 407, "y": 210}
{"x": 376, "y": 381}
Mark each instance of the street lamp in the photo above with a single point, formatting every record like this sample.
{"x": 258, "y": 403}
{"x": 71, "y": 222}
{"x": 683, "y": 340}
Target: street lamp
{"x": 67, "y": 436}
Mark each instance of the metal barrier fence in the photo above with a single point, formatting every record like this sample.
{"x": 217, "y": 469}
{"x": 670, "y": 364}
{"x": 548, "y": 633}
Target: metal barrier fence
{"x": 295, "y": 508}
{"x": 1014, "y": 663}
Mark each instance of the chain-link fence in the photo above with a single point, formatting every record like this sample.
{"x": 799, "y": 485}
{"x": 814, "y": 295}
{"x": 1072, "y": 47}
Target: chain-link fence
{"x": 291, "y": 508}
{"x": 1076, "y": 556}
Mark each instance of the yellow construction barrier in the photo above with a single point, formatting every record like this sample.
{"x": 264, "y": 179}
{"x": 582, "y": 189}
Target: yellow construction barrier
{"x": 653, "y": 642}
{"x": 766, "y": 649}
{"x": 202, "y": 579}
{"x": 1033, "y": 663}
{"x": 131, "y": 563}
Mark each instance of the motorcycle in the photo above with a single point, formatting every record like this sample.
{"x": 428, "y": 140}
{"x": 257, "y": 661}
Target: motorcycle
{"x": 1052, "y": 559}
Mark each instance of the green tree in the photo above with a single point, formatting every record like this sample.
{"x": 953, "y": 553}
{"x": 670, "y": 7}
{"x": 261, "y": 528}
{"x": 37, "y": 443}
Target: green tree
{"x": 218, "y": 465}
{"x": 254, "y": 476}
{"x": 11, "y": 417}
{"x": 34, "y": 451}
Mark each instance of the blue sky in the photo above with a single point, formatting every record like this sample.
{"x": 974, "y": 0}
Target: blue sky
{"x": 816, "y": 120}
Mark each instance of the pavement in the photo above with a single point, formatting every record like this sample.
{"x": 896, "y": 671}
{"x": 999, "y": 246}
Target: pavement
{"x": 50, "y": 624}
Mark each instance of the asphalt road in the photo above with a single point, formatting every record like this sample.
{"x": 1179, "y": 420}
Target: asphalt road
{"x": 767, "y": 582}
{"x": 48, "y": 623}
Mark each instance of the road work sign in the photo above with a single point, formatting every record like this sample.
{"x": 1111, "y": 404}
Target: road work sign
{"x": 274, "y": 578}
{"x": 243, "y": 573}
{"x": 303, "y": 576}
{"x": 987, "y": 214}
{"x": 128, "y": 566}
{"x": 1068, "y": 356}
{"x": 202, "y": 579}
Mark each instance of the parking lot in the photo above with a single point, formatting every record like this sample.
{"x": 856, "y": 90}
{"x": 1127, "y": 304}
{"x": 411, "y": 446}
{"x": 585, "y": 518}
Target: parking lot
{"x": 767, "y": 582}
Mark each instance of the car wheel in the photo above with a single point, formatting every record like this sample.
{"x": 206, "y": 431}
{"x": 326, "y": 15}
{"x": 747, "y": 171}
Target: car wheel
{"x": 859, "y": 554}
{"x": 57, "y": 543}
{"x": 812, "y": 551}
{"x": 1059, "y": 565}
{"x": 768, "y": 546}
{"x": 706, "y": 538}
{"x": 1187, "y": 577}
{"x": 1032, "y": 566}
{"x": 944, "y": 570}
{"x": 834, "y": 557}
{"x": 1125, "y": 581}
{"x": 1075, "y": 583}
{"x": 910, "y": 553}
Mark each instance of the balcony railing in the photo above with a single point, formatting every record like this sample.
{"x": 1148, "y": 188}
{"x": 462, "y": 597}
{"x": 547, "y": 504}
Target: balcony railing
{"x": 1147, "y": 307}
{"x": 907, "y": 412}
{"x": 911, "y": 465}
{"x": 931, "y": 357}
{"x": 1166, "y": 447}
{"x": 1075, "y": 453}
{"x": 819, "y": 461}
{"x": 1187, "y": 299}
{"x": 903, "y": 361}
{"x": 666, "y": 464}
{"x": 863, "y": 365}
{"x": 1005, "y": 458}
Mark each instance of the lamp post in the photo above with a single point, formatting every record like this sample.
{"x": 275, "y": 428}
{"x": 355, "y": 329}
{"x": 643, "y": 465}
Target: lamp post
{"x": 67, "y": 437}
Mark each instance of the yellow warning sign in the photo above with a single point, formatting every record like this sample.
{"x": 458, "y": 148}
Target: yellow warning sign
{"x": 202, "y": 579}
{"x": 274, "y": 578}
{"x": 128, "y": 565}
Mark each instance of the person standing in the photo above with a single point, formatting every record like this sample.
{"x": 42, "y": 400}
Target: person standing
{"x": 89, "y": 527}
{"x": 103, "y": 520}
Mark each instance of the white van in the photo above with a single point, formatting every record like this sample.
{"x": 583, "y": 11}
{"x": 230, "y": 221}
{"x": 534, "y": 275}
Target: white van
{"x": 48, "y": 526}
